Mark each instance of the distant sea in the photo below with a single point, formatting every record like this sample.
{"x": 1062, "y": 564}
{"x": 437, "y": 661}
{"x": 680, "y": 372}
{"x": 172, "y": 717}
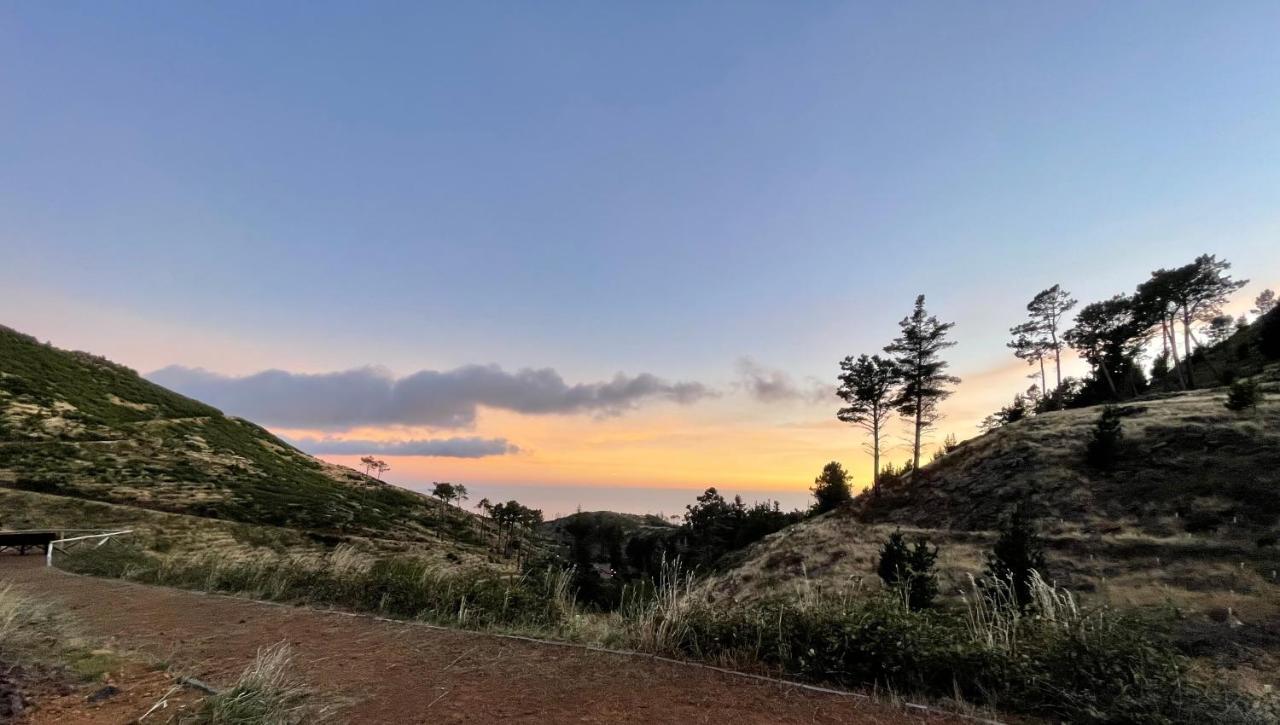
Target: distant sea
{"x": 556, "y": 501}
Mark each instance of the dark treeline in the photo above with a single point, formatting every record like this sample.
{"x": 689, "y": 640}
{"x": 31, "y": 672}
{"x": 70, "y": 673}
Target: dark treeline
{"x": 1181, "y": 308}
{"x": 610, "y": 562}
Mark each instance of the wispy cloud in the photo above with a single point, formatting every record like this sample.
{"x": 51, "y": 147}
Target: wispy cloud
{"x": 444, "y": 399}
{"x": 471, "y": 447}
{"x": 772, "y": 385}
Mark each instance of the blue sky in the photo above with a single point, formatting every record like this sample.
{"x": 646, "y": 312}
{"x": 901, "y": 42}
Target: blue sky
{"x": 657, "y": 188}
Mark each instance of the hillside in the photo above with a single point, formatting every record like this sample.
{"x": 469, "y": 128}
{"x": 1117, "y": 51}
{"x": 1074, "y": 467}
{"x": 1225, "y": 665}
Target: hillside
{"x": 73, "y": 424}
{"x": 1186, "y": 464}
{"x": 1186, "y": 523}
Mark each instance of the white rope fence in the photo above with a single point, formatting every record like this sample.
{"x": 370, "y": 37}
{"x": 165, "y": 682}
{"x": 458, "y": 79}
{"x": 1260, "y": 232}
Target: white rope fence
{"x": 77, "y": 540}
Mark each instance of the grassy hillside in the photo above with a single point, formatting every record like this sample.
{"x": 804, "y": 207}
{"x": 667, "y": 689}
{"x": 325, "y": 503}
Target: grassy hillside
{"x": 1186, "y": 464}
{"x": 73, "y": 424}
{"x": 1186, "y": 523}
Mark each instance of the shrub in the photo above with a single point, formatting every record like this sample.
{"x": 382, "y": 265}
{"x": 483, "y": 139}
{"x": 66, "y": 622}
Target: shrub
{"x": 831, "y": 488}
{"x": 1017, "y": 556}
{"x": 1243, "y": 395}
{"x": 1199, "y": 522}
{"x": 1104, "y": 441}
{"x": 1066, "y": 665}
{"x": 909, "y": 570}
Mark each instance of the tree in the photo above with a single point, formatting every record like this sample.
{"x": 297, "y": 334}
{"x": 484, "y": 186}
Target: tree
{"x": 1104, "y": 440}
{"x": 1154, "y": 303}
{"x": 1264, "y": 302}
{"x": 916, "y": 354}
{"x": 1191, "y": 293}
{"x": 369, "y": 463}
{"x": 1012, "y": 413}
{"x": 1243, "y": 395}
{"x": 1046, "y": 310}
{"x": 831, "y": 488}
{"x": 1028, "y": 345}
{"x": 381, "y": 467}
{"x": 1017, "y": 553}
{"x": 909, "y": 569}
{"x": 444, "y": 491}
{"x": 1110, "y": 336}
{"x": 1219, "y": 328}
{"x": 511, "y": 518}
{"x": 1160, "y": 366}
{"x": 867, "y": 386}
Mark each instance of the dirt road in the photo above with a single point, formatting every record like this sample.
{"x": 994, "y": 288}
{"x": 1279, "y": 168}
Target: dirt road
{"x": 388, "y": 672}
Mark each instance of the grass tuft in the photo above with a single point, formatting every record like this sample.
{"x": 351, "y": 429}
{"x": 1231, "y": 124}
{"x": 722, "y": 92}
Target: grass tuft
{"x": 265, "y": 694}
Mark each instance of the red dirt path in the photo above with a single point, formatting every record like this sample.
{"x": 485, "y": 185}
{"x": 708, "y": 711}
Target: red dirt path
{"x": 389, "y": 672}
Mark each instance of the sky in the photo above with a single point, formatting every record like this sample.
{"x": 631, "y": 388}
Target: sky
{"x": 604, "y": 254}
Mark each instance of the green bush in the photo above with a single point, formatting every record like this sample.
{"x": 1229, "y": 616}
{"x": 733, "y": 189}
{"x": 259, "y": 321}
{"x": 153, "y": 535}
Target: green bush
{"x": 1018, "y": 555}
{"x": 1090, "y": 668}
{"x": 1104, "y": 443}
{"x": 909, "y": 570}
{"x": 1243, "y": 395}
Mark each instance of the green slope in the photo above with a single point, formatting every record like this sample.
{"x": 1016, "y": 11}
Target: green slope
{"x": 74, "y": 424}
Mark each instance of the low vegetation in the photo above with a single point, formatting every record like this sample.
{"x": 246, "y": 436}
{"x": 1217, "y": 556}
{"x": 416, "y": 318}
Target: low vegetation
{"x": 403, "y": 586}
{"x": 1050, "y": 659}
{"x": 264, "y": 694}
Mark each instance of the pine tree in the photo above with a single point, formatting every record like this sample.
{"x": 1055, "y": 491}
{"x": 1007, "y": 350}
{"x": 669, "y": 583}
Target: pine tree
{"x": 831, "y": 488}
{"x": 916, "y": 354}
{"x": 1264, "y": 302}
{"x": 867, "y": 386}
{"x": 1243, "y": 395}
{"x": 1104, "y": 441}
{"x": 909, "y": 569}
{"x": 1110, "y": 335}
{"x": 1046, "y": 310}
{"x": 1018, "y": 552}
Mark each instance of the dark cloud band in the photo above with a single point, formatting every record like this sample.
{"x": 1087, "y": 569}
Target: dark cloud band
{"x": 437, "y": 447}
{"x": 444, "y": 399}
{"x": 770, "y": 385}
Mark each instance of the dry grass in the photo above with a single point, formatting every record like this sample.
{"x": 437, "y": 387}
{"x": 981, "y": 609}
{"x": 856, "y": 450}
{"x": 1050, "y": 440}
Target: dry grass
{"x": 266, "y": 693}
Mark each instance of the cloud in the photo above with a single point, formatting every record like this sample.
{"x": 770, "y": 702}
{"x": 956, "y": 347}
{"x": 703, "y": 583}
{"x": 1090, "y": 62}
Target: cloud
{"x": 473, "y": 447}
{"x": 444, "y": 399}
{"x": 771, "y": 385}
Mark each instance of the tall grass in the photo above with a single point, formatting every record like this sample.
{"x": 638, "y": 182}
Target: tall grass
{"x": 400, "y": 587}
{"x": 27, "y": 626}
{"x": 1052, "y": 659}
{"x": 14, "y": 611}
{"x": 264, "y": 694}
{"x": 655, "y": 623}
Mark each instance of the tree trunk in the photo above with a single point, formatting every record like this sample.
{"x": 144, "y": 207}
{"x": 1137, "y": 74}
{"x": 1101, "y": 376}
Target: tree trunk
{"x": 1186, "y": 345}
{"x": 875, "y": 452}
{"x": 915, "y": 451}
{"x": 1044, "y": 386}
{"x": 1208, "y": 361}
{"x": 1110, "y": 382}
{"x": 1057, "y": 355}
{"x": 1173, "y": 348}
